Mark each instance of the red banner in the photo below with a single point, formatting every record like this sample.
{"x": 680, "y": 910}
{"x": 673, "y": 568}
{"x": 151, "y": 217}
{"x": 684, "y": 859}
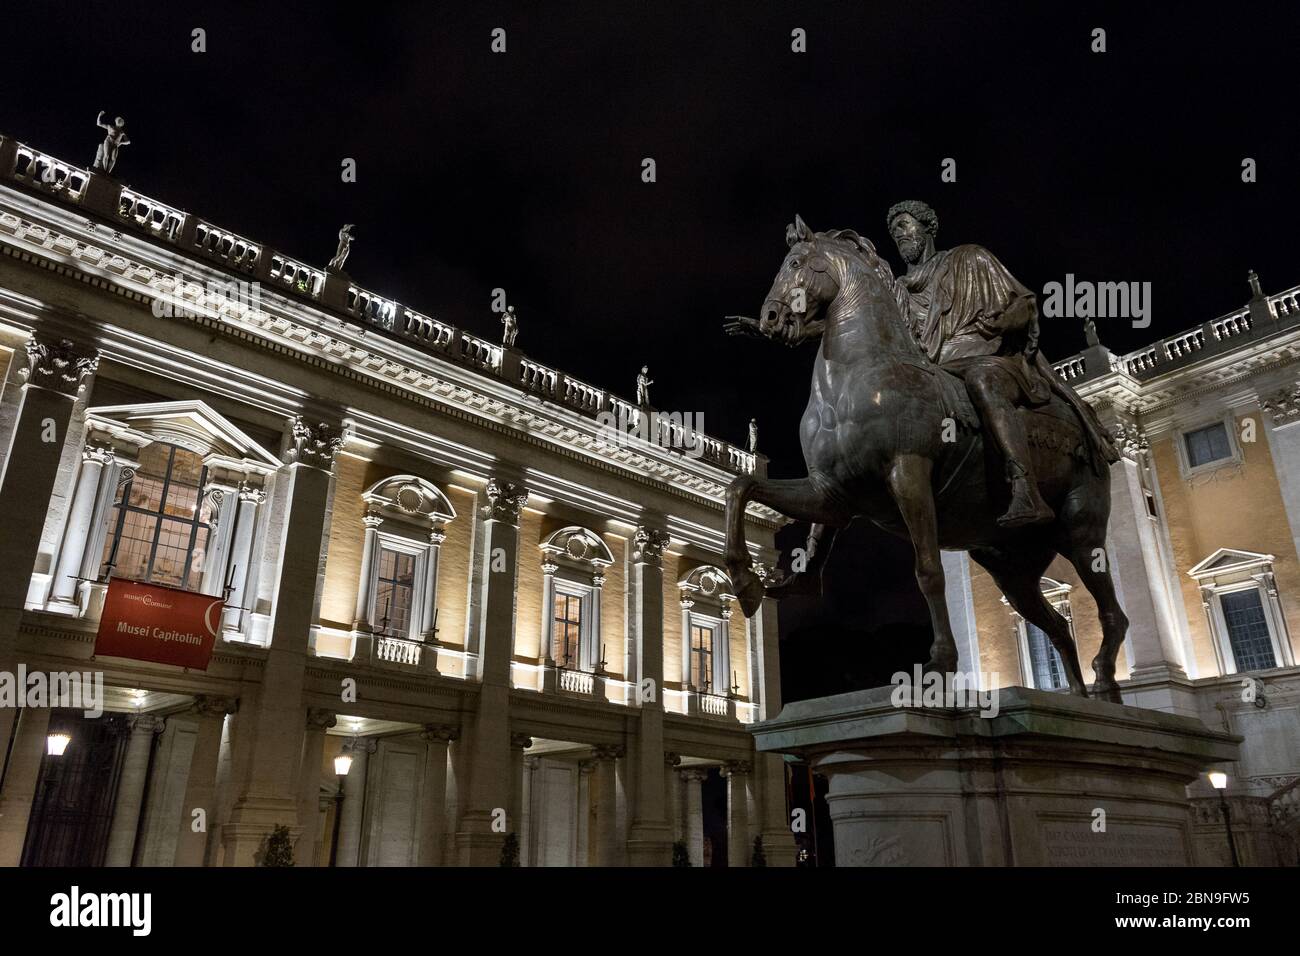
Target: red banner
{"x": 149, "y": 622}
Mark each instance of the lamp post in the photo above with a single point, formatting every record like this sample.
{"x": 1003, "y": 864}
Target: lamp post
{"x": 56, "y": 744}
{"x": 342, "y": 764}
{"x": 1219, "y": 781}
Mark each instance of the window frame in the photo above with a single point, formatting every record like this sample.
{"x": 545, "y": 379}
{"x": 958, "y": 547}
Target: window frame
{"x": 400, "y": 544}
{"x": 1235, "y": 455}
{"x": 1227, "y": 571}
{"x": 112, "y": 539}
{"x": 714, "y": 627}
{"x": 1223, "y": 636}
{"x": 583, "y": 594}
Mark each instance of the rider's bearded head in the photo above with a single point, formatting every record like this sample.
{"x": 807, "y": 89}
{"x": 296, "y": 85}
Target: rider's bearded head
{"x": 910, "y": 241}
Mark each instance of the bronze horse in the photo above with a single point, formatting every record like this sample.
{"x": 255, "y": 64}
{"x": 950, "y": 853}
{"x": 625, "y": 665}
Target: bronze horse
{"x": 881, "y": 438}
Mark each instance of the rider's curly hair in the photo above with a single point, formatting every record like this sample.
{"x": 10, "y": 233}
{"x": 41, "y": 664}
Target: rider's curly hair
{"x": 918, "y": 211}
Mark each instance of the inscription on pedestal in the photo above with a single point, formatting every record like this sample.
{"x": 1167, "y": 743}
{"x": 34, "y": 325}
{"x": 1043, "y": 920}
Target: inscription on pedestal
{"x": 1121, "y": 845}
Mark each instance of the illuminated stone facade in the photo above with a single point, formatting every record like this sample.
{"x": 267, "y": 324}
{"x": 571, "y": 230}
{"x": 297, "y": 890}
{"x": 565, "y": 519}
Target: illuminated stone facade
{"x": 438, "y": 561}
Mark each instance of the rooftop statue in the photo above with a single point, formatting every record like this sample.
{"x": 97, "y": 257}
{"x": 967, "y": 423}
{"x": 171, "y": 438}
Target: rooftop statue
{"x": 345, "y": 246}
{"x": 934, "y": 414}
{"x": 643, "y": 383}
{"x": 114, "y": 139}
{"x": 511, "y": 330}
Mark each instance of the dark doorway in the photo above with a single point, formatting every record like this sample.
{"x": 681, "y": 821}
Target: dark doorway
{"x": 73, "y": 804}
{"x": 714, "y": 807}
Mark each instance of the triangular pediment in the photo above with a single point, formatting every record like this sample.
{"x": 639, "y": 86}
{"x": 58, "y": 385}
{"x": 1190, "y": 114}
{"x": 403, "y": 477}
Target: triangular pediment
{"x": 190, "y": 424}
{"x": 1229, "y": 559}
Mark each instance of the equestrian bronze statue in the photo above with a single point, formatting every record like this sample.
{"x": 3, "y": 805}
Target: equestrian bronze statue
{"x": 934, "y": 414}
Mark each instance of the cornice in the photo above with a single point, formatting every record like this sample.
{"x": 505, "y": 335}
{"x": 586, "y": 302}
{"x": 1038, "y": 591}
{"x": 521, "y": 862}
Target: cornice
{"x": 371, "y": 360}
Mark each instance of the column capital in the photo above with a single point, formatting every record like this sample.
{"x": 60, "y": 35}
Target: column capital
{"x": 549, "y": 567}
{"x": 686, "y": 604}
{"x": 602, "y": 752}
{"x": 208, "y": 705}
{"x": 648, "y": 546}
{"x": 1130, "y": 440}
{"x": 145, "y": 724}
{"x": 505, "y": 500}
{"x": 586, "y": 767}
{"x": 737, "y": 768}
{"x": 726, "y": 611}
{"x": 318, "y": 718}
{"x": 437, "y": 535}
{"x": 361, "y": 745}
{"x": 598, "y": 580}
{"x": 372, "y": 520}
{"x": 251, "y": 492}
{"x": 434, "y": 733}
{"x": 97, "y": 451}
{"x": 520, "y": 741}
{"x": 1283, "y": 405}
{"x": 693, "y": 774}
{"x": 672, "y": 759}
{"x": 60, "y": 366}
{"x": 316, "y": 443}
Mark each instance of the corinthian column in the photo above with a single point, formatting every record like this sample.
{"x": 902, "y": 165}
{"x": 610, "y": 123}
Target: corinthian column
{"x": 478, "y": 844}
{"x": 76, "y": 532}
{"x": 277, "y": 723}
{"x": 52, "y": 380}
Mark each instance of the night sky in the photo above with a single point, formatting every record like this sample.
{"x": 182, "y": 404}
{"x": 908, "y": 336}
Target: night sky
{"x": 523, "y": 171}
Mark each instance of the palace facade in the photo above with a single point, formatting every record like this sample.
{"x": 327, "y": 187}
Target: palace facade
{"x": 461, "y": 615}
{"x": 1204, "y": 547}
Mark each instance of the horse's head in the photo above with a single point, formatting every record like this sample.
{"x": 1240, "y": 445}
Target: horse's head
{"x": 810, "y": 278}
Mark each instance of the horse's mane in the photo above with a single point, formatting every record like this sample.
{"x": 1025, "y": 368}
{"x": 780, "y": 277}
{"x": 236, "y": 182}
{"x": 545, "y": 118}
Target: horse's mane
{"x": 866, "y": 251}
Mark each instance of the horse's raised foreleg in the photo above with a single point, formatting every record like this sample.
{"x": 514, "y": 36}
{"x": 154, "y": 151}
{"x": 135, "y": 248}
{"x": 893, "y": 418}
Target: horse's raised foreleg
{"x": 909, "y": 485}
{"x": 797, "y": 498}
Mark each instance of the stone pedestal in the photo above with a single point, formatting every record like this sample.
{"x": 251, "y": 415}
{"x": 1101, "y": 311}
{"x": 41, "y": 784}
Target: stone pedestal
{"x": 1049, "y": 780}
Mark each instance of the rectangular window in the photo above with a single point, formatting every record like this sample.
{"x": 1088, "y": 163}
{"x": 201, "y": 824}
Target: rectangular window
{"x": 1206, "y": 445}
{"x": 1045, "y": 662}
{"x": 567, "y": 633}
{"x": 702, "y": 656}
{"x": 395, "y": 592}
{"x": 1252, "y": 647}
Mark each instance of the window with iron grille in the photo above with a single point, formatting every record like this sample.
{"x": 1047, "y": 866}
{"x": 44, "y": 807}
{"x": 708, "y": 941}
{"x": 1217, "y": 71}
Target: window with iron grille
{"x": 1248, "y": 634}
{"x": 395, "y": 592}
{"x": 702, "y": 656}
{"x": 567, "y": 624}
{"x": 160, "y": 521}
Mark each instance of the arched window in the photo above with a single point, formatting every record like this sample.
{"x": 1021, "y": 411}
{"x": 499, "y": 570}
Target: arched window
{"x": 159, "y": 523}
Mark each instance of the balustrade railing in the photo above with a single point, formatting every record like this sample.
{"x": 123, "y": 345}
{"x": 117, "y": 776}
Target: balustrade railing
{"x": 536, "y": 377}
{"x": 480, "y": 352}
{"x": 235, "y": 250}
{"x": 68, "y": 183}
{"x": 297, "y": 276}
{"x": 436, "y": 335}
{"x": 576, "y": 682}
{"x": 158, "y": 218}
{"x": 45, "y": 172}
{"x": 371, "y": 308}
{"x": 713, "y": 705}
{"x": 396, "y": 650}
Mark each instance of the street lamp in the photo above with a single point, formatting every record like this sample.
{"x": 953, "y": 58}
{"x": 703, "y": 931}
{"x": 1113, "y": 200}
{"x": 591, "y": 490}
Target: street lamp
{"x": 342, "y": 764}
{"x": 55, "y": 744}
{"x": 1219, "y": 781}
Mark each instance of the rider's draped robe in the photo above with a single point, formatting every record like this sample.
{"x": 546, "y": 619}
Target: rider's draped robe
{"x": 966, "y": 308}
